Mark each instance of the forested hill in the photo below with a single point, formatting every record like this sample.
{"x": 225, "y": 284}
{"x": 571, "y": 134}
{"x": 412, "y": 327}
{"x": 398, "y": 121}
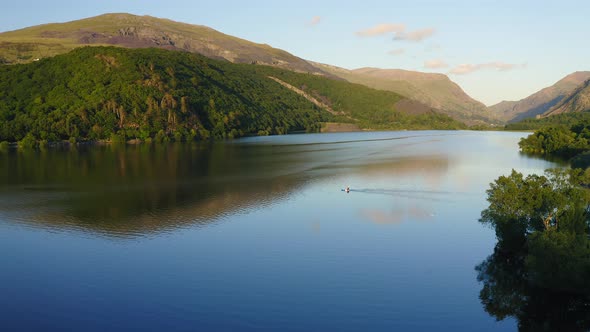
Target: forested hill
{"x": 98, "y": 93}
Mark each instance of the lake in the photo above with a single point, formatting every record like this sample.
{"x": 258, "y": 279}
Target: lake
{"x": 254, "y": 234}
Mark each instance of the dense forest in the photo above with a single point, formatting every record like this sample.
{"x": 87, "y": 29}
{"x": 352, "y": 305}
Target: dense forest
{"x": 116, "y": 94}
{"x": 564, "y": 119}
{"x": 567, "y": 142}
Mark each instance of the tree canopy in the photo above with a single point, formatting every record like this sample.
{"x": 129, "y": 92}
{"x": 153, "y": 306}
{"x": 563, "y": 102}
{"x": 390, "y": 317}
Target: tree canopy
{"x": 564, "y": 142}
{"x": 564, "y": 119}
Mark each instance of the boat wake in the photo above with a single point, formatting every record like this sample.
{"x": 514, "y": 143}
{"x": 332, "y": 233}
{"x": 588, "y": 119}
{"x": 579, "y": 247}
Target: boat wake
{"x": 408, "y": 193}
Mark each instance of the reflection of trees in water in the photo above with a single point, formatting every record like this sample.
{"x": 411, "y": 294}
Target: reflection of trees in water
{"x": 126, "y": 190}
{"x": 506, "y": 292}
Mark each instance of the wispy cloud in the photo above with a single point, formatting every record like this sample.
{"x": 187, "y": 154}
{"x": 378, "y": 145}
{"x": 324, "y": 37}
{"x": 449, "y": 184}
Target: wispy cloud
{"x": 397, "y": 51}
{"x": 435, "y": 64}
{"x": 398, "y": 30}
{"x": 416, "y": 35}
{"x": 315, "y": 20}
{"x": 468, "y": 68}
{"x": 382, "y": 29}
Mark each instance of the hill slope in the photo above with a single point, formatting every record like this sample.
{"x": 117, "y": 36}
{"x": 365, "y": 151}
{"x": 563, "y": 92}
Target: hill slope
{"x": 133, "y": 31}
{"x": 96, "y": 92}
{"x": 434, "y": 90}
{"x": 577, "y": 101}
{"x": 539, "y": 102}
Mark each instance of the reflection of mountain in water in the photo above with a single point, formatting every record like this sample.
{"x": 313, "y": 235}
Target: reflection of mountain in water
{"x": 134, "y": 190}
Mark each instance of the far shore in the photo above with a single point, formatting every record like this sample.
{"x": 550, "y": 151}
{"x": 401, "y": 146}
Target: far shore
{"x": 338, "y": 127}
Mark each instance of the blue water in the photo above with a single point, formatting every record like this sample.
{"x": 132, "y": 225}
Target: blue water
{"x": 253, "y": 234}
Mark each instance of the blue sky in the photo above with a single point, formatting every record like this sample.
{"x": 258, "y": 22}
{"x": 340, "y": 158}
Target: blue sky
{"x": 495, "y": 50}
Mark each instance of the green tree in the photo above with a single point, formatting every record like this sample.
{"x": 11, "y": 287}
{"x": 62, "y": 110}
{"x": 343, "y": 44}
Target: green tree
{"x": 28, "y": 142}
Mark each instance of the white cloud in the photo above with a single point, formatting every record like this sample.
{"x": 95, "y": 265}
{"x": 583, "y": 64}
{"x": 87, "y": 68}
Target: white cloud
{"x": 315, "y": 20}
{"x": 382, "y": 29}
{"x": 416, "y": 35}
{"x": 468, "y": 68}
{"x": 397, "y": 51}
{"x": 435, "y": 64}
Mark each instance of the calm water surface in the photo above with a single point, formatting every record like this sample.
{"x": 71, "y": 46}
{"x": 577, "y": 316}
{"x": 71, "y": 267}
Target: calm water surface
{"x": 253, "y": 234}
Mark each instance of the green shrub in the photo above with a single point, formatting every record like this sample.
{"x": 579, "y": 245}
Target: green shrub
{"x": 28, "y": 142}
{"x": 161, "y": 137}
{"x": 117, "y": 138}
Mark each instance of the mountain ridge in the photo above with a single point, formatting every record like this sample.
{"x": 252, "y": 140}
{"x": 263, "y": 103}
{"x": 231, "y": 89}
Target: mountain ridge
{"x": 133, "y": 31}
{"x": 541, "y": 101}
{"x": 576, "y": 101}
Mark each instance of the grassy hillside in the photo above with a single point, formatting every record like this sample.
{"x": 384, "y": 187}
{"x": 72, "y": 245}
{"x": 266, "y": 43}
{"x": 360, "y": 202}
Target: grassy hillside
{"x": 126, "y": 30}
{"x": 114, "y": 93}
{"x": 434, "y": 90}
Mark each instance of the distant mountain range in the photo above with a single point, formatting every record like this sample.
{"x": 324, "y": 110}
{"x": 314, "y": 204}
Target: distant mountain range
{"x": 541, "y": 102}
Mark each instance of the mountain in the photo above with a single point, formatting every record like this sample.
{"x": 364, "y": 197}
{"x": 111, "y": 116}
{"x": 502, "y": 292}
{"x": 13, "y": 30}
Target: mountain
{"x": 577, "y": 101}
{"x": 433, "y": 89}
{"x": 133, "y": 31}
{"x": 98, "y": 93}
{"x": 539, "y": 102}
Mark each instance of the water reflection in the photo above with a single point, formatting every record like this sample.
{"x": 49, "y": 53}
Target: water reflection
{"x": 136, "y": 190}
{"x": 506, "y": 293}
{"x": 397, "y": 216}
